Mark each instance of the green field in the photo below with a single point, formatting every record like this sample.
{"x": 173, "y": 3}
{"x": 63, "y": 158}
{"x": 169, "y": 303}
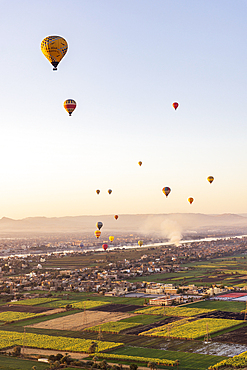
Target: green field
{"x": 230, "y": 306}
{"x": 188, "y": 361}
{"x": 144, "y": 319}
{"x": 9, "y": 363}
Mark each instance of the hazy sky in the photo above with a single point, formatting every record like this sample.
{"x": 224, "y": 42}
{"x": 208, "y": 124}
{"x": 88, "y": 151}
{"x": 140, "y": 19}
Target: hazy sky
{"x": 127, "y": 62}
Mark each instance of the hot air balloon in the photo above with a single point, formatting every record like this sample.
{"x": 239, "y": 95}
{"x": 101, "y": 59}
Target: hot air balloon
{"x": 97, "y": 191}
{"x": 190, "y": 200}
{"x": 81, "y": 245}
{"x": 166, "y": 191}
{"x": 140, "y": 242}
{"x": 97, "y": 233}
{"x": 105, "y": 246}
{"x": 140, "y": 163}
{"x": 109, "y": 191}
{"x": 54, "y": 49}
{"x": 99, "y": 225}
{"x": 69, "y": 106}
{"x": 210, "y": 179}
{"x": 116, "y": 217}
{"x": 111, "y": 238}
{"x": 175, "y": 105}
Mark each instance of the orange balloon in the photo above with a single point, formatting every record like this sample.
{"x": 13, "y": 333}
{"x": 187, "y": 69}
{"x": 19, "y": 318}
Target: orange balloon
{"x": 190, "y": 200}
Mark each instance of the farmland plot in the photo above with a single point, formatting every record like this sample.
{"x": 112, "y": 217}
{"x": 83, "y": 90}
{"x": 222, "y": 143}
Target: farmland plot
{"x": 174, "y": 311}
{"x": 81, "y": 320}
{"x": 192, "y": 330}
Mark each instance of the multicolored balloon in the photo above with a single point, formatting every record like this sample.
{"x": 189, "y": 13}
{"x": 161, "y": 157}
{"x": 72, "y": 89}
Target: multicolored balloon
{"x": 210, "y": 179}
{"x": 166, "y": 190}
{"x": 111, "y": 238}
{"x": 109, "y": 191}
{"x": 116, "y": 217}
{"x": 175, "y": 105}
{"x": 190, "y": 200}
{"x": 69, "y": 106}
{"x": 140, "y": 163}
{"x": 105, "y": 246}
{"x": 97, "y": 233}
{"x": 54, "y": 49}
{"x": 97, "y": 191}
{"x": 140, "y": 243}
{"x": 99, "y": 225}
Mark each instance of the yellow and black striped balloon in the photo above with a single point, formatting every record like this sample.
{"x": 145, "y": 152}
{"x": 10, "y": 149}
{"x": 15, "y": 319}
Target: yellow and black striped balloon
{"x": 54, "y": 49}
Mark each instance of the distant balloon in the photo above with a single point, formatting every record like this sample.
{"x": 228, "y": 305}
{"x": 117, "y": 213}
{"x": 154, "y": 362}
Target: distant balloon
{"x": 166, "y": 191}
{"x": 81, "y": 245}
{"x": 175, "y": 105}
{"x": 97, "y": 191}
{"x": 109, "y": 191}
{"x": 111, "y": 238}
{"x": 116, "y": 217}
{"x": 69, "y": 106}
{"x": 97, "y": 233}
{"x": 140, "y": 242}
{"x": 210, "y": 179}
{"x": 99, "y": 225}
{"x": 54, "y": 49}
{"x": 140, "y": 163}
{"x": 105, "y": 246}
{"x": 190, "y": 200}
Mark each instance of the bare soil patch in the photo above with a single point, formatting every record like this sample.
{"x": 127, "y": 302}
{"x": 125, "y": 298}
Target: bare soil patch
{"x": 223, "y": 315}
{"x": 81, "y": 320}
{"x": 238, "y": 336}
{"x": 142, "y": 328}
{"x": 117, "y": 308}
{"x": 22, "y": 308}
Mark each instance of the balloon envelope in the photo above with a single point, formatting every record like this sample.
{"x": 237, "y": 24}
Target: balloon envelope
{"x": 105, "y": 246}
{"x": 54, "y": 49}
{"x": 69, "y": 106}
{"x": 175, "y": 105}
{"x": 111, "y": 238}
{"x": 210, "y": 179}
{"x": 166, "y": 190}
{"x": 97, "y": 233}
{"x": 140, "y": 163}
{"x": 99, "y": 225}
{"x": 190, "y": 200}
{"x": 140, "y": 242}
{"x": 116, "y": 217}
{"x": 97, "y": 191}
{"x": 109, "y": 191}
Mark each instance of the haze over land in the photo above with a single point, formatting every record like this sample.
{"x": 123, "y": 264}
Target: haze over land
{"x": 166, "y": 225}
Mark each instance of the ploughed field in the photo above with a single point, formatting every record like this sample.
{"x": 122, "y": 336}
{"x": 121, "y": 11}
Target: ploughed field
{"x": 21, "y": 308}
{"x": 117, "y": 307}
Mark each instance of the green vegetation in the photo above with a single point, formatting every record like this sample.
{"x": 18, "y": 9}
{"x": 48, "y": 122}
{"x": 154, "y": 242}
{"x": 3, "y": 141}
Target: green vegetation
{"x": 144, "y": 319}
{"x": 9, "y": 363}
{"x": 192, "y": 330}
{"x": 86, "y": 304}
{"x": 188, "y": 361}
{"x": 34, "y": 301}
{"x": 113, "y": 327}
{"x": 8, "y": 339}
{"x": 15, "y": 316}
{"x": 38, "y": 319}
{"x": 230, "y": 306}
{"x": 174, "y": 311}
{"x": 144, "y": 359}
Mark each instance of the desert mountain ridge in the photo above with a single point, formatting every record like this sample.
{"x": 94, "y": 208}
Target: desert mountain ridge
{"x": 144, "y": 223}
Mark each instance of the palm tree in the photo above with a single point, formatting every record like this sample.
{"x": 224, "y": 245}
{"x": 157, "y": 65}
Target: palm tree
{"x": 152, "y": 365}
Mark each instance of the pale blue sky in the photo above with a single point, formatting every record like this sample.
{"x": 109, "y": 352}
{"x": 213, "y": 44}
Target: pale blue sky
{"x": 127, "y": 62}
